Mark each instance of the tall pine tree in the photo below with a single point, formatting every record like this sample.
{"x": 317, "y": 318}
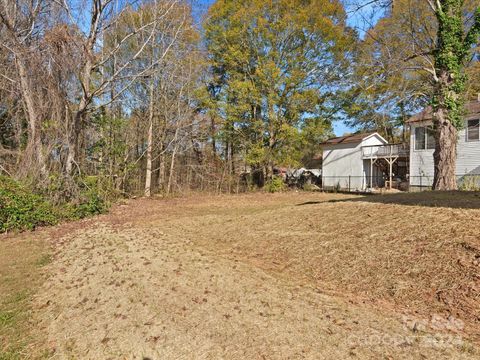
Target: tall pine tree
{"x": 275, "y": 67}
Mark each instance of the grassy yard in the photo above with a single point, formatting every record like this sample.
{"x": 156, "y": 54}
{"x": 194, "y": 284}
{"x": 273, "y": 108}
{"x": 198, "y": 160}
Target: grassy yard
{"x": 298, "y": 275}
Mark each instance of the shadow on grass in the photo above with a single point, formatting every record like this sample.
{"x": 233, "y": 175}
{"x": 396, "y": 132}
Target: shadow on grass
{"x": 314, "y": 202}
{"x": 447, "y": 199}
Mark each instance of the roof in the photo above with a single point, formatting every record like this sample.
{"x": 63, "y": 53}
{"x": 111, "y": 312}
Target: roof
{"x": 472, "y": 107}
{"x": 353, "y": 138}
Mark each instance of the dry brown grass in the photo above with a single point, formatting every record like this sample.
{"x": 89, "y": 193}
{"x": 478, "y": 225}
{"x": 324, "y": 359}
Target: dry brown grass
{"x": 408, "y": 251}
{"x": 22, "y": 259}
{"x": 294, "y": 275}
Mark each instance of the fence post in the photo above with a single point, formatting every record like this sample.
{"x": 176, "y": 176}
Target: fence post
{"x": 349, "y": 181}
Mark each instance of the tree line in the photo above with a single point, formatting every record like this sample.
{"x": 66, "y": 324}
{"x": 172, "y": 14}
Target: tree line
{"x": 145, "y": 97}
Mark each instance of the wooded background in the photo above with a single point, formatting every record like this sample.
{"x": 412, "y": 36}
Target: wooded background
{"x": 143, "y": 97}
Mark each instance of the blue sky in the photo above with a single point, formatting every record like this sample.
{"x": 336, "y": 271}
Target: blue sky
{"x": 200, "y": 6}
{"x": 339, "y": 128}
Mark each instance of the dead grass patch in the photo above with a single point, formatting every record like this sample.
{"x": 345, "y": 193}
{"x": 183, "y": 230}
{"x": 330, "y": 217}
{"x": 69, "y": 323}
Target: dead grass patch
{"x": 258, "y": 276}
{"x": 408, "y": 251}
{"x": 21, "y": 261}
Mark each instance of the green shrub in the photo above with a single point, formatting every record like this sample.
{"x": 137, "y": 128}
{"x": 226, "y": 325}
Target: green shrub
{"x": 21, "y": 209}
{"x": 94, "y": 197}
{"x": 80, "y": 197}
{"x": 470, "y": 183}
{"x": 91, "y": 205}
{"x": 275, "y": 184}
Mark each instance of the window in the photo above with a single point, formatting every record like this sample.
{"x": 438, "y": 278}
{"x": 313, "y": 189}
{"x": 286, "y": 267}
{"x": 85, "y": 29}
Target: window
{"x": 473, "y": 130}
{"x": 424, "y": 138}
{"x": 420, "y": 138}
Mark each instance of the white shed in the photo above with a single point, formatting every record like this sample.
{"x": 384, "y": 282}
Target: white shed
{"x": 422, "y": 146}
{"x": 346, "y": 163}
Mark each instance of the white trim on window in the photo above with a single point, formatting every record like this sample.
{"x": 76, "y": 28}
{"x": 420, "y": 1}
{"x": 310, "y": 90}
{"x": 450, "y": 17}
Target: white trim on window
{"x": 425, "y": 147}
{"x": 467, "y": 138}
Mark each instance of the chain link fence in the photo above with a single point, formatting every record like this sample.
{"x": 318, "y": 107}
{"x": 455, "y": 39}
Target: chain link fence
{"x": 350, "y": 183}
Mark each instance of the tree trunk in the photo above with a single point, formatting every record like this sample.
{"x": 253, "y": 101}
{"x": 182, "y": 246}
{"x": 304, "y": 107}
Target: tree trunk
{"x": 148, "y": 175}
{"x": 271, "y": 141}
{"x": 445, "y": 154}
{"x": 161, "y": 169}
{"x": 172, "y": 169}
{"x": 33, "y": 158}
{"x": 451, "y": 54}
{"x": 212, "y": 134}
{"x": 72, "y": 139}
{"x": 161, "y": 172}
{"x": 172, "y": 163}
{"x": 34, "y": 152}
{"x": 85, "y": 78}
{"x": 270, "y": 164}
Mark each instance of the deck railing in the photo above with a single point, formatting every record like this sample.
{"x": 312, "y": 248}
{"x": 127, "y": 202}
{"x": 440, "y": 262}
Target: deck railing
{"x": 389, "y": 150}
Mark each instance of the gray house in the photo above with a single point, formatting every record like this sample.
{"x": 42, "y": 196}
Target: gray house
{"x": 365, "y": 161}
{"x": 362, "y": 161}
{"x": 422, "y": 145}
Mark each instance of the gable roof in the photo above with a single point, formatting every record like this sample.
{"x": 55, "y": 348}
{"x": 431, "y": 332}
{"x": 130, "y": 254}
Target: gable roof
{"x": 471, "y": 108}
{"x": 348, "y": 139}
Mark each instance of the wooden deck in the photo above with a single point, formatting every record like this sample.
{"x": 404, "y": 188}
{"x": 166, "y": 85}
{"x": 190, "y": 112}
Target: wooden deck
{"x": 385, "y": 151}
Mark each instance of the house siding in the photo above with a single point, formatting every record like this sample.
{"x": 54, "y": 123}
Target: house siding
{"x": 373, "y": 140}
{"x": 422, "y": 164}
{"x": 421, "y": 161}
{"x": 340, "y": 162}
{"x": 468, "y": 152}
{"x": 343, "y": 164}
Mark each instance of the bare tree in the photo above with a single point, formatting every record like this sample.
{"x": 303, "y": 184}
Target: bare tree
{"x": 21, "y": 23}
